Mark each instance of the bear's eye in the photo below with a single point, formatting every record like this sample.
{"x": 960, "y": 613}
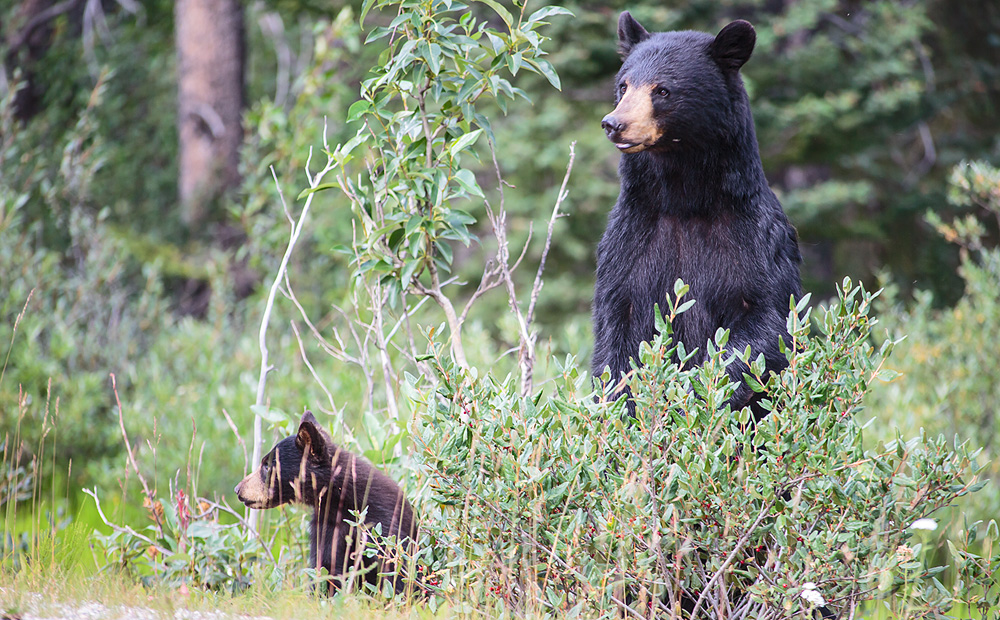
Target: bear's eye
{"x": 663, "y": 92}
{"x": 622, "y": 88}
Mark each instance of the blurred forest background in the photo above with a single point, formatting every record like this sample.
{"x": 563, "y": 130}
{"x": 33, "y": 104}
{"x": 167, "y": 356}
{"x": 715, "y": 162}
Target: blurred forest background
{"x": 140, "y": 223}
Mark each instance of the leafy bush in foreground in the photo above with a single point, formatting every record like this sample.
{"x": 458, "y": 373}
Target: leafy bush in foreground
{"x": 569, "y": 506}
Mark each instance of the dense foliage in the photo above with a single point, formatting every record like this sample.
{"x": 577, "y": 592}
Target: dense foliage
{"x": 948, "y": 364}
{"x": 533, "y": 498}
{"x": 569, "y": 505}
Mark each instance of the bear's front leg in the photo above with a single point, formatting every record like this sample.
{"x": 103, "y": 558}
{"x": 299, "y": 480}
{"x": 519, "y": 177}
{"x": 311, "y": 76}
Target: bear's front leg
{"x": 760, "y": 330}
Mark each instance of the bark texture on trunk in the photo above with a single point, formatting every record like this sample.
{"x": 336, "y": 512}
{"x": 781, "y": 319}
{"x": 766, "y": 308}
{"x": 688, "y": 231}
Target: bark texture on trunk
{"x": 210, "y": 66}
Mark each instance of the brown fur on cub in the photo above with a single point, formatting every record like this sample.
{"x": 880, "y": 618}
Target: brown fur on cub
{"x": 309, "y": 468}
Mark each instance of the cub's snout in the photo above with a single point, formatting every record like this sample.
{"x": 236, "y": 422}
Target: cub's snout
{"x": 253, "y": 492}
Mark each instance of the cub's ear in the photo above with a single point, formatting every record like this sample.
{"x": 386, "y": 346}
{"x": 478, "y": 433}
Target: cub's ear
{"x": 733, "y": 45}
{"x": 630, "y": 34}
{"x": 310, "y": 436}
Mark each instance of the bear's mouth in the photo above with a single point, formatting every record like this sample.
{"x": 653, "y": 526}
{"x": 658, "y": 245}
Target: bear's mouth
{"x": 629, "y": 147}
{"x": 252, "y": 492}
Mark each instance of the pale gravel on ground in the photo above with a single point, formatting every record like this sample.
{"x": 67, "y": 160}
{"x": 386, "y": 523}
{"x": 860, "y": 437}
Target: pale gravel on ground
{"x": 32, "y": 608}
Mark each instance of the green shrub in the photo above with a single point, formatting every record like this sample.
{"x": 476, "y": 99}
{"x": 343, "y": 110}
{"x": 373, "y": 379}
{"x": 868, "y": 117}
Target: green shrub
{"x": 197, "y": 543}
{"x": 75, "y": 304}
{"x": 568, "y": 506}
{"x": 556, "y": 502}
{"x": 949, "y": 371}
{"x": 84, "y": 305}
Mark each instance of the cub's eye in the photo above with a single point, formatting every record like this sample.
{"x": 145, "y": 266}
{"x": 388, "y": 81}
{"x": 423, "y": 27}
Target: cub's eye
{"x": 622, "y": 88}
{"x": 663, "y": 92}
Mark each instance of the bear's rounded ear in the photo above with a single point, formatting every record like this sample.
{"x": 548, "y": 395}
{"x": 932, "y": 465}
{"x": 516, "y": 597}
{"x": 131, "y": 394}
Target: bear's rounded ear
{"x": 310, "y": 435}
{"x": 733, "y": 45}
{"x": 630, "y": 34}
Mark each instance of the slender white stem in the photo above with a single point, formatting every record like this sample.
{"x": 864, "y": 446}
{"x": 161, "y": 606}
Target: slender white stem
{"x": 258, "y": 431}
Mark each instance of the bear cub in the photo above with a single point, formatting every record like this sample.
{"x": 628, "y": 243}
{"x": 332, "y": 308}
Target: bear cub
{"x": 309, "y": 468}
{"x": 694, "y": 204}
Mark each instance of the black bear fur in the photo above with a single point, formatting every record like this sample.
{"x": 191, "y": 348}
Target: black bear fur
{"x": 694, "y": 204}
{"x": 309, "y": 468}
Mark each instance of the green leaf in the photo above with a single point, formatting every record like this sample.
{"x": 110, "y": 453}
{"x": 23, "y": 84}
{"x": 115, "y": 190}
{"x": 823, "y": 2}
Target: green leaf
{"x": 465, "y": 142}
{"x": 545, "y": 68}
{"x": 514, "y": 62}
{"x": 753, "y": 383}
{"x": 413, "y": 223}
{"x": 444, "y": 250}
{"x": 467, "y": 88}
{"x": 409, "y": 268}
{"x": 498, "y": 45}
{"x": 272, "y": 416}
{"x": 343, "y": 151}
{"x": 357, "y": 109}
{"x": 318, "y": 188}
{"x": 467, "y": 181}
{"x": 434, "y": 58}
{"x": 365, "y": 7}
{"x": 887, "y": 375}
{"x": 684, "y": 307}
{"x": 502, "y": 12}
{"x": 548, "y": 11}
{"x": 680, "y": 289}
{"x": 721, "y": 336}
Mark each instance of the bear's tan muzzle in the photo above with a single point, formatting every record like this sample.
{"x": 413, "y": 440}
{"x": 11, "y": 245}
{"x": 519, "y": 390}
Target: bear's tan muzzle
{"x": 632, "y": 126}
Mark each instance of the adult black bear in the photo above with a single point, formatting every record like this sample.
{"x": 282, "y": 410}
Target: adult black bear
{"x": 310, "y": 469}
{"x": 694, "y": 204}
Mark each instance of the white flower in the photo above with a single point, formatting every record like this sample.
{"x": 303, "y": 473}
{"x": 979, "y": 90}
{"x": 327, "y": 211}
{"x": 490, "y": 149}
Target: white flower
{"x": 812, "y": 596}
{"x": 924, "y": 524}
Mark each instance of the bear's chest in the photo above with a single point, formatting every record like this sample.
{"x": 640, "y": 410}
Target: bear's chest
{"x": 699, "y": 251}
{"x": 642, "y": 263}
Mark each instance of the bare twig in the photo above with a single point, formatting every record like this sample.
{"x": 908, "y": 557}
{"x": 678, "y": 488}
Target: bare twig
{"x": 338, "y": 351}
{"x": 388, "y": 374}
{"x": 732, "y": 555}
{"x": 498, "y": 221}
{"x": 625, "y": 608}
{"x": 131, "y": 457}
{"x": 290, "y": 294}
{"x": 424, "y": 369}
{"x": 126, "y": 529}
{"x": 239, "y": 438}
{"x": 528, "y": 357}
{"x": 488, "y": 282}
{"x": 296, "y": 231}
{"x": 348, "y": 435}
{"x": 454, "y": 326}
{"x": 502, "y": 271}
{"x": 548, "y": 236}
{"x": 281, "y": 197}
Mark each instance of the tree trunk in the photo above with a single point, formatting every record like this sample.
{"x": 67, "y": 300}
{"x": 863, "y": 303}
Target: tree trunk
{"x": 25, "y": 47}
{"x": 210, "y": 62}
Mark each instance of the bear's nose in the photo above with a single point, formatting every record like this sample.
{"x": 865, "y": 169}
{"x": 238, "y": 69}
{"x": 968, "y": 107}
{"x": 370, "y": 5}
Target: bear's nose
{"x": 612, "y": 124}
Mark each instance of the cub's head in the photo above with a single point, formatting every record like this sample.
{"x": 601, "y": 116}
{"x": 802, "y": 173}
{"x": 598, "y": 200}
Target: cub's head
{"x": 678, "y": 89}
{"x": 296, "y": 469}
